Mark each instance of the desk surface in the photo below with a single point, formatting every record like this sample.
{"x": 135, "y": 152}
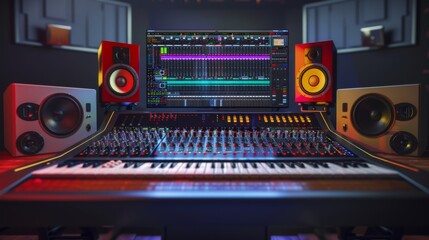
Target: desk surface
{"x": 318, "y": 208}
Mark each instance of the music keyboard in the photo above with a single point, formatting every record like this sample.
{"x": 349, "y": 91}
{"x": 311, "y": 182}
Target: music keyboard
{"x": 214, "y": 169}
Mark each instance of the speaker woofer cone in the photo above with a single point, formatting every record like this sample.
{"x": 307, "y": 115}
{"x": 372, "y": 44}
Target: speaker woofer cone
{"x": 372, "y": 115}
{"x": 314, "y": 80}
{"x": 61, "y": 115}
{"x": 30, "y": 143}
{"x": 122, "y": 80}
{"x": 403, "y": 142}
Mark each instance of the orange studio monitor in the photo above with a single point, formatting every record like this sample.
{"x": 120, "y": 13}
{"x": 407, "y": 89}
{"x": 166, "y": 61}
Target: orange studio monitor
{"x": 118, "y": 72}
{"x": 44, "y": 119}
{"x": 315, "y": 72}
{"x": 391, "y": 119}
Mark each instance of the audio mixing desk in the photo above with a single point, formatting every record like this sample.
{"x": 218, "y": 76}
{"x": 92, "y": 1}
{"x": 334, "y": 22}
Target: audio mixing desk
{"x": 207, "y": 169}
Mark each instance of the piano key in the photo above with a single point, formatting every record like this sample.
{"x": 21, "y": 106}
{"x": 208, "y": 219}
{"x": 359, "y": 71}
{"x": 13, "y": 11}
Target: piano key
{"x": 200, "y": 170}
{"x": 217, "y": 170}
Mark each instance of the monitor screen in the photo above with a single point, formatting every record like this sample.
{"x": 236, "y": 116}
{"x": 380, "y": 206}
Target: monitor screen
{"x": 217, "y": 69}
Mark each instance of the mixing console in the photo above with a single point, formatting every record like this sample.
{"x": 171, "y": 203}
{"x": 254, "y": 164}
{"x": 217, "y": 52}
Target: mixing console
{"x": 215, "y": 136}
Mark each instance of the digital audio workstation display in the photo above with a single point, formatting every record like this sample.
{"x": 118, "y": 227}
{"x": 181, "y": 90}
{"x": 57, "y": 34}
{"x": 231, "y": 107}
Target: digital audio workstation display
{"x": 200, "y": 69}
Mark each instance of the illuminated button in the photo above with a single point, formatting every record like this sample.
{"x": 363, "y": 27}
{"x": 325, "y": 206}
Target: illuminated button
{"x": 278, "y": 119}
{"x": 271, "y": 119}
{"x": 247, "y": 119}
{"x": 295, "y": 118}
{"x": 289, "y": 118}
{"x": 284, "y": 119}
{"x": 234, "y": 118}
{"x": 241, "y": 118}
{"x": 308, "y": 119}
{"x": 228, "y": 118}
{"x": 265, "y": 118}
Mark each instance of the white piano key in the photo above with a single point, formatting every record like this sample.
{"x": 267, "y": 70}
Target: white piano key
{"x": 218, "y": 170}
{"x": 208, "y": 169}
{"x": 200, "y": 171}
{"x": 190, "y": 171}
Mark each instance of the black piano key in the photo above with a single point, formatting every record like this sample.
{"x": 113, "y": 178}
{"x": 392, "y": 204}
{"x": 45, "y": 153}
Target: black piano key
{"x": 62, "y": 164}
{"x": 290, "y": 164}
{"x": 342, "y": 164}
{"x": 313, "y": 164}
{"x": 137, "y": 164}
{"x": 86, "y": 164}
{"x": 98, "y": 163}
{"x": 154, "y": 164}
{"x": 128, "y": 164}
{"x": 280, "y": 165}
{"x": 73, "y": 163}
{"x": 300, "y": 164}
{"x": 270, "y": 164}
{"x": 254, "y": 165}
{"x": 362, "y": 164}
{"x": 324, "y": 164}
{"x": 233, "y": 165}
{"x": 353, "y": 164}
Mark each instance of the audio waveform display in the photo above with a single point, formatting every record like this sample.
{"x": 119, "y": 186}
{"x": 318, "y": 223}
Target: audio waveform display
{"x": 207, "y": 68}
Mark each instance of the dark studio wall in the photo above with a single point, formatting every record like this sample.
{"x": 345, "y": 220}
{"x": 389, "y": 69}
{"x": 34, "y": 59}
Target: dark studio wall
{"x": 43, "y": 65}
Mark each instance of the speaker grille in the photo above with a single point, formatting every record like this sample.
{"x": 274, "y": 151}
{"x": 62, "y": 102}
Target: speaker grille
{"x": 372, "y": 115}
{"x": 61, "y": 115}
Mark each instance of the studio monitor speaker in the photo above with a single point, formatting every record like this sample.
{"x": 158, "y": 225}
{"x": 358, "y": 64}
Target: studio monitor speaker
{"x": 44, "y": 119}
{"x": 314, "y": 72}
{"x": 118, "y": 72}
{"x": 390, "y": 119}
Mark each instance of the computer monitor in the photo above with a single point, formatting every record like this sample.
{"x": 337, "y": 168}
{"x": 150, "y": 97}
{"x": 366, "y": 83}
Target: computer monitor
{"x": 217, "y": 68}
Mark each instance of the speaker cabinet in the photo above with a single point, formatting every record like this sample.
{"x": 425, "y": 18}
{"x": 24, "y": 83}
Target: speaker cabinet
{"x": 44, "y": 119}
{"x": 314, "y": 72}
{"x": 118, "y": 72}
{"x": 389, "y": 119}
